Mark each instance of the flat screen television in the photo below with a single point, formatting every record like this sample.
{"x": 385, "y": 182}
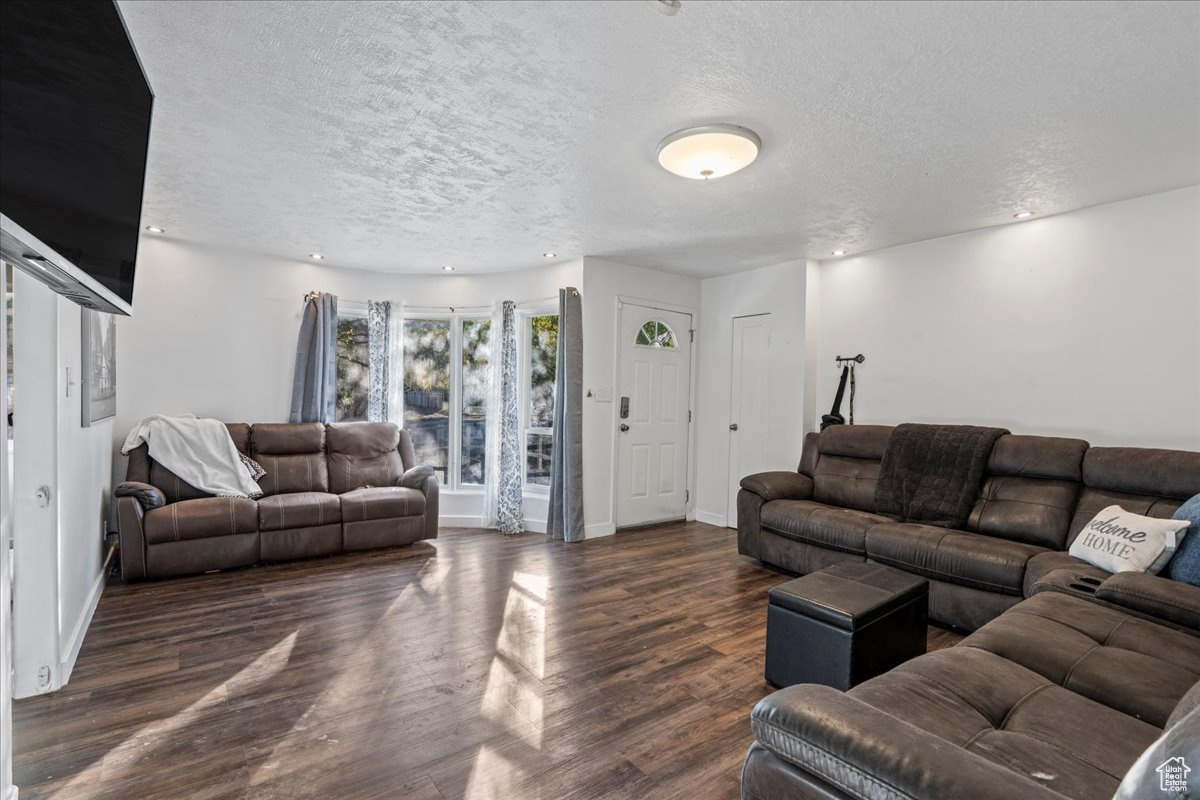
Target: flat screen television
{"x": 75, "y": 110}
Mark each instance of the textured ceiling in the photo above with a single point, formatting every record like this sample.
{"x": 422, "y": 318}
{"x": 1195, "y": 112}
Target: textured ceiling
{"x": 404, "y": 136}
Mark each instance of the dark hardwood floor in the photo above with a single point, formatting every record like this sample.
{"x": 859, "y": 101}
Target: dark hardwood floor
{"x": 479, "y": 667}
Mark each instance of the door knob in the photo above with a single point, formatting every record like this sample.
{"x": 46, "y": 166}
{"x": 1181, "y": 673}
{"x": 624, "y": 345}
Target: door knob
{"x": 733, "y": 427}
{"x": 624, "y": 427}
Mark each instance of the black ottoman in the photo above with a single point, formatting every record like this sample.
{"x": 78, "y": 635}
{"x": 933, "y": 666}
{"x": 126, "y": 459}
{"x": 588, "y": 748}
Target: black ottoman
{"x": 844, "y": 624}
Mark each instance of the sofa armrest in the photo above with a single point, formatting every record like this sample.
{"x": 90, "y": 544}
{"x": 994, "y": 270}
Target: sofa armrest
{"x": 1175, "y": 602}
{"x": 779, "y": 485}
{"x": 430, "y": 489}
{"x": 865, "y": 752}
{"x": 149, "y": 496}
{"x": 423, "y": 479}
{"x": 416, "y": 477}
{"x": 132, "y": 537}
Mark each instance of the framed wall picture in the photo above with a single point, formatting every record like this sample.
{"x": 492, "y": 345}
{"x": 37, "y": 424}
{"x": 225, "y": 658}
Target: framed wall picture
{"x": 99, "y": 368}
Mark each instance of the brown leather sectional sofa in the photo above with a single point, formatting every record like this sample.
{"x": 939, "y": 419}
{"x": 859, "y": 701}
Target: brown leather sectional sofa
{"x": 1038, "y": 493}
{"x": 327, "y": 488}
{"x": 1062, "y": 694}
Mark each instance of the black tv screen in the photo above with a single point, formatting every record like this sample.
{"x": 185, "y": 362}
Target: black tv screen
{"x": 74, "y": 128}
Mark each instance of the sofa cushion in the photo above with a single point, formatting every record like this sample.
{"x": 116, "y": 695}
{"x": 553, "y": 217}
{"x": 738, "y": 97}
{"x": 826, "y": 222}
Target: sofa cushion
{"x": 293, "y": 455}
{"x": 1030, "y": 491}
{"x": 816, "y": 523}
{"x": 363, "y": 454}
{"x": 968, "y": 559}
{"x": 298, "y": 510}
{"x": 200, "y": 519}
{"x": 1141, "y": 480}
{"x": 1121, "y": 661}
{"x": 381, "y": 502}
{"x": 847, "y": 467}
{"x": 1011, "y": 715}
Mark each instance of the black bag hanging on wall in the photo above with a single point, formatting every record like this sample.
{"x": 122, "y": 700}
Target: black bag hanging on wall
{"x": 834, "y": 417}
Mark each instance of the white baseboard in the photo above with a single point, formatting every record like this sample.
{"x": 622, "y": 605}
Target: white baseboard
{"x": 470, "y": 521}
{"x": 599, "y": 529}
{"x": 462, "y": 521}
{"x": 712, "y": 519}
{"x": 67, "y": 664}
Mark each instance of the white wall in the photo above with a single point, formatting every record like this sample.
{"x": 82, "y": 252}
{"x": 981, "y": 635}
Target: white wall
{"x": 58, "y": 547}
{"x": 214, "y": 333}
{"x": 84, "y": 489}
{"x": 1082, "y": 324}
{"x": 779, "y": 291}
{"x": 603, "y": 283}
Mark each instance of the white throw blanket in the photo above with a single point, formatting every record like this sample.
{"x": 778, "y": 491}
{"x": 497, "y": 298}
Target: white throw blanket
{"x": 199, "y": 451}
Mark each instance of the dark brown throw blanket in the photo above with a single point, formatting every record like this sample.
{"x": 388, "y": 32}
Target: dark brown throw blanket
{"x": 932, "y": 473}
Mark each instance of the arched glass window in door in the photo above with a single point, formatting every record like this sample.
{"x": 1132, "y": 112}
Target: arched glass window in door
{"x": 656, "y": 333}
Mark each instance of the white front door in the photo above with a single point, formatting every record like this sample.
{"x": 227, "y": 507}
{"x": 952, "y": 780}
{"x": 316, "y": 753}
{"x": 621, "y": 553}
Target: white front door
{"x": 653, "y": 401}
{"x": 748, "y": 403}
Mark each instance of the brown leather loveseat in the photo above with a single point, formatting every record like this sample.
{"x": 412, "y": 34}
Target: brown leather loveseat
{"x": 327, "y": 488}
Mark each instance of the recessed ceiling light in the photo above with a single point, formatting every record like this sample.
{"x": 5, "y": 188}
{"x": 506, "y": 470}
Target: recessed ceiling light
{"x": 668, "y": 7}
{"x": 710, "y": 151}
{"x": 448, "y": 268}
{"x": 839, "y": 252}
{"x": 154, "y": 229}
{"x": 1023, "y": 215}
{"x": 316, "y": 256}
{"x": 549, "y": 255}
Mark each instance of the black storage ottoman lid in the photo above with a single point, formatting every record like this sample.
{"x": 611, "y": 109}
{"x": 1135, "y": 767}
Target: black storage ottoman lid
{"x": 849, "y": 595}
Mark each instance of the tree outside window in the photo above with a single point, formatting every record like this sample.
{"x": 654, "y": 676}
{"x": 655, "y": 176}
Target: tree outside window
{"x": 539, "y": 436}
{"x": 353, "y": 369}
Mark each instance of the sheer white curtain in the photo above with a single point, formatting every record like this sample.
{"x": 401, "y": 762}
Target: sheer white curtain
{"x": 503, "y": 501}
{"x": 395, "y": 381}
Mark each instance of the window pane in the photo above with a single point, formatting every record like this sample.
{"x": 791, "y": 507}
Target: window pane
{"x": 543, "y": 352}
{"x": 427, "y": 390}
{"x": 353, "y": 370}
{"x": 475, "y": 337}
{"x": 537, "y": 458}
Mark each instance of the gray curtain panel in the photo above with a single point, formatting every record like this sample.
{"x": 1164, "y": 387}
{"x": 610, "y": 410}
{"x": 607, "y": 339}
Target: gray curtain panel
{"x": 565, "y": 519}
{"x": 314, "y": 383}
{"x": 379, "y": 316}
{"x": 504, "y": 498}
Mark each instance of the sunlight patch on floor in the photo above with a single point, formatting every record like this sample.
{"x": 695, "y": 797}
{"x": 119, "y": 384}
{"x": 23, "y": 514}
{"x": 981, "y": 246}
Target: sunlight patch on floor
{"x": 514, "y": 684}
{"x": 126, "y": 757}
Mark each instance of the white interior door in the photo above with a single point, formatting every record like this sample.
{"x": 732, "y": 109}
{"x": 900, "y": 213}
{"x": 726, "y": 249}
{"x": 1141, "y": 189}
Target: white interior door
{"x": 749, "y": 382}
{"x": 653, "y": 416}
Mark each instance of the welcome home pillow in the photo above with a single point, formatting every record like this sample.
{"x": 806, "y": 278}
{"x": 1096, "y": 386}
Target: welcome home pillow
{"x": 1119, "y": 541}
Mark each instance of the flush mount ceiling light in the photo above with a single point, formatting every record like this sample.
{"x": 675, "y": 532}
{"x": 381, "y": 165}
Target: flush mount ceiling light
{"x": 316, "y": 256}
{"x": 549, "y": 255}
{"x": 710, "y": 151}
{"x": 839, "y": 252}
{"x": 1023, "y": 215}
{"x": 154, "y": 229}
{"x": 447, "y": 268}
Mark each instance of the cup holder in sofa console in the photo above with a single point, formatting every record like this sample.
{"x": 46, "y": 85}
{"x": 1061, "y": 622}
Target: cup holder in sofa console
{"x": 1090, "y": 580}
{"x": 1083, "y": 587}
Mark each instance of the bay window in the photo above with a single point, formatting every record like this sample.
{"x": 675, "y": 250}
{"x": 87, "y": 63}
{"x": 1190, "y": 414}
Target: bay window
{"x": 445, "y": 387}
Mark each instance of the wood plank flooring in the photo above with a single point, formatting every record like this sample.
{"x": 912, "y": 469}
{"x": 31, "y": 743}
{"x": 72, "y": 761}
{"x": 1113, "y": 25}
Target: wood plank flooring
{"x": 475, "y": 667}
